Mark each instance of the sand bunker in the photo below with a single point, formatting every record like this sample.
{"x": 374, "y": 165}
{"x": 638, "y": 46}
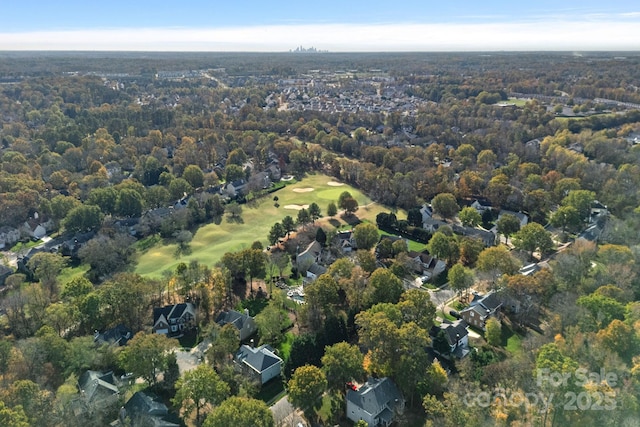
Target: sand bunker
{"x": 296, "y": 207}
{"x": 302, "y": 190}
{"x": 335, "y": 183}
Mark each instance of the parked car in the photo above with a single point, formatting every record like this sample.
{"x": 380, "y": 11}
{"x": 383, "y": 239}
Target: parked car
{"x": 455, "y": 314}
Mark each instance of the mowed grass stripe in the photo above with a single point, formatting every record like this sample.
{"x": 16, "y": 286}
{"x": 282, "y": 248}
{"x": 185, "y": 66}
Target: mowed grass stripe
{"x": 211, "y": 241}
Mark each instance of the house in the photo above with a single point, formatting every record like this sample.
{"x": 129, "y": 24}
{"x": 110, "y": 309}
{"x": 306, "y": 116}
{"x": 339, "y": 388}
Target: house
{"x": 9, "y": 236}
{"x": 481, "y": 309}
{"x": 98, "y": 390}
{"x": 34, "y": 229}
{"x": 262, "y": 362}
{"x": 310, "y": 255}
{"x": 432, "y": 225}
{"x": 235, "y": 188}
{"x": 488, "y": 237}
{"x": 481, "y": 204}
{"x": 456, "y": 335}
{"x": 315, "y": 270}
{"x": 146, "y": 409}
{"x": 244, "y": 323}
{"x": 427, "y": 265}
{"x": 274, "y": 172}
{"x": 426, "y": 212}
{"x": 118, "y": 336}
{"x": 377, "y": 402}
{"x": 345, "y": 240}
{"x": 523, "y": 218}
{"x": 174, "y": 320}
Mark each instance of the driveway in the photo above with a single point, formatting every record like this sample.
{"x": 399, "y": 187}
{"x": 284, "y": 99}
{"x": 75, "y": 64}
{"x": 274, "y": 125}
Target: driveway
{"x": 285, "y": 415}
{"x": 441, "y": 296}
{"x": 188, "y": 359}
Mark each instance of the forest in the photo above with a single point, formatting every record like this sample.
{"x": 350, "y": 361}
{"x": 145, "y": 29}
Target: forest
{"x": 426, "y": 184}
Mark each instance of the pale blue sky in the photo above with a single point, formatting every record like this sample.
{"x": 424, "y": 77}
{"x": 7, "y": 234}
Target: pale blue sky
{"x": 419, "y": 25}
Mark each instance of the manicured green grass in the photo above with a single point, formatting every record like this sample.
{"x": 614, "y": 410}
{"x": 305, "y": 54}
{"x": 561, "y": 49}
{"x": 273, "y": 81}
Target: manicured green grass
{"x": 413, "y": 246}
{"x": 514, "y": 344}
{"x": 272, "y": 391}
{"x": 211, "y": 241}
{"x": 517, "y": 102}
{"x": 70, "y": 273}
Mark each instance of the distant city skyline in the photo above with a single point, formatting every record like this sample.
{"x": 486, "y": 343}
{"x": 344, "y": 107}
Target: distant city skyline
{"x": 336, "y": 26}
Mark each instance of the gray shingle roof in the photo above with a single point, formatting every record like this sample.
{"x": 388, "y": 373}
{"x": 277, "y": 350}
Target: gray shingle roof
{"x": 259, "y": 359}
{"x": 376, "y": 396}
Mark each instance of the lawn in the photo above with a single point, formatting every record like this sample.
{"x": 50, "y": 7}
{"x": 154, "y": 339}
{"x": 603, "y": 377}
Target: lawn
{"x": 518, "y": 102}
{"x": 285, "y": 346}
{"x": 70, "y": 273}
{"x": 272, "y": 391}
{"x": 211, "y": 241}
{"x": 413, "y": 246}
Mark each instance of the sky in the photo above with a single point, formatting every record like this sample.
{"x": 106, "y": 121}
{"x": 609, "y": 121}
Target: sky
{"x": 333, "y": 25}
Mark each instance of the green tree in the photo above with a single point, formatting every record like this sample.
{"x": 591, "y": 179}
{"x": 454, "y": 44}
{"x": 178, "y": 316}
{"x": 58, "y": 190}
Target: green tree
{"x": 497, "y": 260}
{"x": 225, "y": 341}
{"x": 62, "y": 205}
{"x": 581, "y": 200}
{"x": 255, "y": 262}
{"x": 460, "y": 278}
{"x": 179, "y": 187}
{"x": 315, "y": 212}
{"x": 414, "y": 217}
{"x": 493, "y": 332}
{"x": 507, "y": 225}
{"x": 146, "y": 355}
{"x": 332, "y": 209}
{"x": 342, "y": 362}
{"x": 386, "y": 286}
{"x": 289, "y": 224}
{"x": 13, "y": 417}
{"x": 365, "y": 235}
{"x": 306, "y": 385}
{"x": 303, "y": 217}
{"x": 46, "y": 267}
{"x": 105, "y": 198}
{"x": 82, "y": 218}
{"x": 240, "y": 412}
{"x": 129, "y": 203}
{"x": 233, "y": 172}
{"x": 276, "y": 233}
{"x": 445, "y": 205}
{"x": 199, "y": 388}
{"x": 271, "y": 321}
{"x": 444, "y": 247}
{"x": 566, "y": 217}
{"x": 469, "y": 217}
{"x": 194, "y": 176}
{"x": 533, "y": 237}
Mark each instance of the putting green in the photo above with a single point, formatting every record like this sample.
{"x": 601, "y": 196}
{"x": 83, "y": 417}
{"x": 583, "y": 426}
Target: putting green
{"x": 211, "y": 241}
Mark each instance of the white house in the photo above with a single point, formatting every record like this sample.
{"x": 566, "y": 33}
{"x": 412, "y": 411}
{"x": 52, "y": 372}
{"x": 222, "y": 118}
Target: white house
{"x": 377, "y": 402}
{"x": 456, "y": 335}
{"x": 261, "y": 361}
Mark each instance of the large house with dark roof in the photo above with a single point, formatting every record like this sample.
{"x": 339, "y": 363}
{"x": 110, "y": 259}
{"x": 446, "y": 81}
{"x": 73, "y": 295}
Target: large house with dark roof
{"x": 481, "y": 309}
{"x": 146, "y": 409}
{"x": 456, "y": 335}
{"x": 377, "y": 402}
{"x": 174, "y": 320}
{"x": 244, "y": 323}
{"x": 262, "y": 362}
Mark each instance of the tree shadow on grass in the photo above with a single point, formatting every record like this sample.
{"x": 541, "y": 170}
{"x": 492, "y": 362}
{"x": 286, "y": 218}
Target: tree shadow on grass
{"x": 235, "y": 220}
{"x": 352, "y": 220}
{"x": 334, "y": 222}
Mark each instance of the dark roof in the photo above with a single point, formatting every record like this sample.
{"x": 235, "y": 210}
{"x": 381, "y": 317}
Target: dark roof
{"x": 317, "y": 269}
{"x": 453, "y": 331}
{"x": 375, "y": 395}
{"x": 145, "y": 403}
{"x": 170, "y": 311}
{"x": 484, "y": 305}
{"x": 259, "y": 359}
{"x": 236, "y": 318}
{"x": 95, "y": 385}
{"x": 119, "y": 335}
